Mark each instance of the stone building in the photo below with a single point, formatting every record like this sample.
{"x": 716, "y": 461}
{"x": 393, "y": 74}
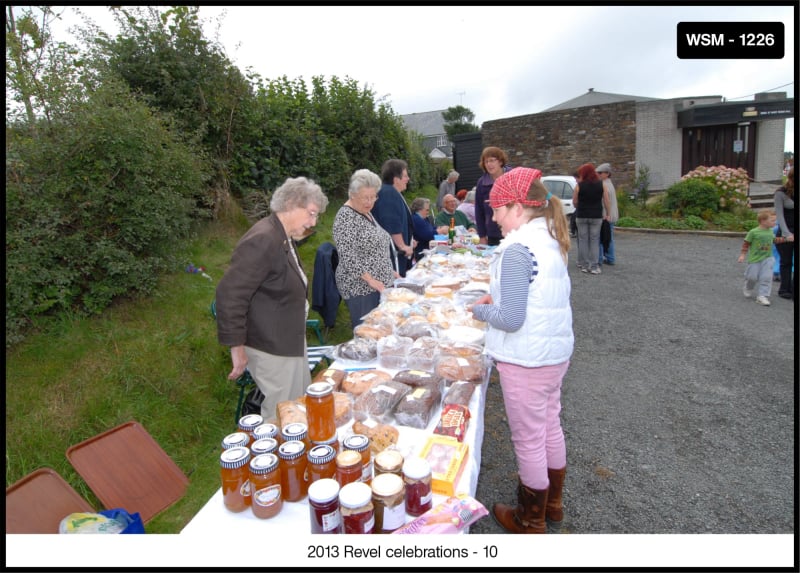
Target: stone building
{"x": 668, "y": 136}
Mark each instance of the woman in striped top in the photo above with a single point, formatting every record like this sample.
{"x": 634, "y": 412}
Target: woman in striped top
{"x": 530, "y": 339}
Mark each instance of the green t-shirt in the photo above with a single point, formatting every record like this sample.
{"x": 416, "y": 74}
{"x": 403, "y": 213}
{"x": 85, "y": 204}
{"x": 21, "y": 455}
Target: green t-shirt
{"x": 760, "y": 244}
{"x": 443, "y": 218}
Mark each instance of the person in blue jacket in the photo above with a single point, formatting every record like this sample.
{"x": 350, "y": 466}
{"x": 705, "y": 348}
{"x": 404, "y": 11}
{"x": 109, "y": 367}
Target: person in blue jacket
{"x": 392, "y": 213}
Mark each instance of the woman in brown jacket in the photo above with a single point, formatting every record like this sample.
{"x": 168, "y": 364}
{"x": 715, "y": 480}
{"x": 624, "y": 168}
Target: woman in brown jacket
{"x": 262, "y": 299}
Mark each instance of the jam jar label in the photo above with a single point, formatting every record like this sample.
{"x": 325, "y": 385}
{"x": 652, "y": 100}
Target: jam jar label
{"x": 331, "y": 520}
{"x": 268, "y": 496}
{"x": 245, "y": 489}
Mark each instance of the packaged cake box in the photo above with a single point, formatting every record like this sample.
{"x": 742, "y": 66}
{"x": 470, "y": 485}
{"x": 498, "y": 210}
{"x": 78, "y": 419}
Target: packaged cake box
{"x": 447, "y": 458}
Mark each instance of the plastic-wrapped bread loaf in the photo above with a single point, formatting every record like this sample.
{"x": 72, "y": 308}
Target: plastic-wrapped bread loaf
{"x": 379, "y": 400}
{"x": 332, "y": 376}
{"x": 416, "y": 407}
{"x": 381, "y": 436}
{"x": 415, "y": 378}
{"x": 460, "y": 392}
{"x": 359, "y": 381}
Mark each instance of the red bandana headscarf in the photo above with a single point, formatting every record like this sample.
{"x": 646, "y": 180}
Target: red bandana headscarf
{"x": 513, "y": 186}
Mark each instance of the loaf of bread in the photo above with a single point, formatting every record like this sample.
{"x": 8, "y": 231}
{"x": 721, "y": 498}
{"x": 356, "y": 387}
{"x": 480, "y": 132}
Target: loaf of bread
{"x": 357, "y": 349}
{"x": 422, "y": 354}
{"x": 416, "y": 327}
{"x": 374, "y": 331}
{"x": 342, "y": 408}
{"x": 381, "y": 436}
{"x": 472, "y": 369}
{"x": 416, "y": 378}
{"x": 358, "y": 381}
{"x": 460, "y": 392}
{"x": 379, "y": 400}
{"x": 290, "y": 411}
{"x": 416, "y": 407}
{"x": 332, "y": 376}
{"x": 392, "y": 351}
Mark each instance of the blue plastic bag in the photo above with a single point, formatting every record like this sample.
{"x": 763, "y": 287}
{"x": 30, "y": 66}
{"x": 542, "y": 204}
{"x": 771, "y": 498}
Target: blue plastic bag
{"x": 133, "y": 520}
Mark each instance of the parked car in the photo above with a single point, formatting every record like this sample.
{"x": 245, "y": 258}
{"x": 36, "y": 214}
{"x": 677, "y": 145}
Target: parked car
{"x": 562, "y": 186}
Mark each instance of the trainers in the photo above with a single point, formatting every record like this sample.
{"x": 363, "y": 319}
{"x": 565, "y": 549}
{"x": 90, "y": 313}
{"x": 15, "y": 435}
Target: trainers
{"x": 762, "y": 300}
{"x": 584, "y": 270}
{"x": 748, "y": 292}
{"x": 596, "y": 271}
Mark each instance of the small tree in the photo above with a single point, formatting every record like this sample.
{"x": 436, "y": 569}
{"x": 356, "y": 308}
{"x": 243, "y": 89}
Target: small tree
{"x": 457, "y": 120}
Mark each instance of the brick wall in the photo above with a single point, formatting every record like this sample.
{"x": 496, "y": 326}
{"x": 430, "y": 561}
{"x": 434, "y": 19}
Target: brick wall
{"x": 558, "y": 142}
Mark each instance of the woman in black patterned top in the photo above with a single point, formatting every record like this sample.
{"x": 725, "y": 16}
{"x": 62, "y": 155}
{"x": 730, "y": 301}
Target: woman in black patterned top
{"x": 365, "y": 248}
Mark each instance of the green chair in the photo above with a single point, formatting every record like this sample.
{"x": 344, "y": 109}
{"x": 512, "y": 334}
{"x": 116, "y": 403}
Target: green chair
{"x": 316, "y": 354}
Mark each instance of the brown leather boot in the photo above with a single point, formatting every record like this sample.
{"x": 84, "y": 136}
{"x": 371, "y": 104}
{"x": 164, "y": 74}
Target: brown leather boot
{"x": 527, "y": 516}
{"x": 555, "y": 512}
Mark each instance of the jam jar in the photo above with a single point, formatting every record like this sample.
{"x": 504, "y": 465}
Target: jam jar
{"x": 236, "y": 439}
{"x": 264, "y": 446}
{"x": 265, "y": 485}
{"x": 360, "y": 443}
{"x": 293, "y": 469}
{"x": 387, "y": 497}
{"x": 332, "y": 442}
{"x": 323, "y": 506}
{"x": 348, "y": 467}
{"x": 266, "y": 430}
{"x": 355, "y": 504}
{"x": 320, "y": 411}
{"x": 389, "y": 461}
{"x": 235, "y": 478}
{"x": 417, "y": 478}
{"x": 295, "y": 431}
{"x": 321, "y": 463}
{"x": 249, "y": 423}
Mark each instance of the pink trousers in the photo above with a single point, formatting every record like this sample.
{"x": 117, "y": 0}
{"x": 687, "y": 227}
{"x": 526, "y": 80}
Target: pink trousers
{"x": 532, "y": 398}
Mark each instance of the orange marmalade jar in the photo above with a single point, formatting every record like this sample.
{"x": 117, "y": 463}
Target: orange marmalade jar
{"x": 265, "y": 431}
{"x": 264, "y": 446}
{"x": 321, "y": 463}
{"x": 360, "y": 443}
{"x": 237, "y": 439}
{"x": 320, "y": 411}
{"x": 293, "y": 469}
{"x": 296, "y": 431}
{"x": 235, "y": 478}
{"x": 265, "y": 485}
{"x": 249, "y": 423}
{"x": 333, "y": 442}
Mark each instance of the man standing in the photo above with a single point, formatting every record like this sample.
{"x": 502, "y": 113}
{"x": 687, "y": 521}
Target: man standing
{"x": 448, "y": 186}
{"x": 604, "y": 172}
{"x": 450, "y": 210}
{"x": 392, "y": 213}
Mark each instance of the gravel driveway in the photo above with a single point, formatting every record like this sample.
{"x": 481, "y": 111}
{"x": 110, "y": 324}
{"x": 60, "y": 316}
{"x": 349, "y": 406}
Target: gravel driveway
{"x": 678, "y": 406}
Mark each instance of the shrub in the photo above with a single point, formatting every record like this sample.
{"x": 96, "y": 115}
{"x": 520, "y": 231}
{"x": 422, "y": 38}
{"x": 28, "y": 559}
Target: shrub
{"x": 731, "y": 184}
{"x": 628, "y": 222}
{"x": 691, "y": 197}
{"x": 694, "y": 222}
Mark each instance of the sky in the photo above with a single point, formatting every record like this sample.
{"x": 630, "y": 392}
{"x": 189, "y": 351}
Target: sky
{"x": 421, "y": 58}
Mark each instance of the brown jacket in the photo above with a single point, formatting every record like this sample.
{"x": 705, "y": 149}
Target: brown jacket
{"x": 261, "y": 298}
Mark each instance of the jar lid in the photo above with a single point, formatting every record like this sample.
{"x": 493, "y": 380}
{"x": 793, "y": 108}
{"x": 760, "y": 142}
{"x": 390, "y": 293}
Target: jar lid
{"x": 264, "y": 446}
{"x": 356, "y": 442}
{"x": 291, "y": 450}
{"x": 318, "y": 389}
{"x": 294, "y": 431}
{"x": 265, "y": 431}
{"x": 264, "y": 463}
{"x": 250, "y": 421}
{"x": 416, "y": 468}
{"x": 321, "y": 454}
{"x": 355, "y": 494}
{"x": 387, "y": 484}
{"x": 390, "y": 460}
{"x": 348, "y": 458}
{"x": 331, "y": 442}
{"x": 323, "y": 490}
{"x": 235, "y": 439}
{"x": 233, "y": 458}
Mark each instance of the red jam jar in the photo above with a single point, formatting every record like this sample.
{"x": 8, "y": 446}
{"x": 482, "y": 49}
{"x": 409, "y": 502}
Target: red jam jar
{"x": 355, "y": 504}
{"x": 323, "y": 506}
{"x": 348, "y": 467}
{"x": 417, "y": 477}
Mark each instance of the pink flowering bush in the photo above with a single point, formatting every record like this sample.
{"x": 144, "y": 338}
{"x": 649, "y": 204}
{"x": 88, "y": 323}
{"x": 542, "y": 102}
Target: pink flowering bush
{"x": 732, "y": 184}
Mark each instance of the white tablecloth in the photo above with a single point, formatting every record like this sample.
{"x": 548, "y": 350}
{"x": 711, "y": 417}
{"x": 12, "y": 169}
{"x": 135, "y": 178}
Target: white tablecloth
{"x": 213, "y": 517}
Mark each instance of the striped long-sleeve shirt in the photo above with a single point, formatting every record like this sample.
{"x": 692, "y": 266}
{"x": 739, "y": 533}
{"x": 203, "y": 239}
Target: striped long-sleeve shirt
{"x": 518, "y": 270}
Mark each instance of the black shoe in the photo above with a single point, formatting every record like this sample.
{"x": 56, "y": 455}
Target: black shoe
{"x": 785, "y": 294}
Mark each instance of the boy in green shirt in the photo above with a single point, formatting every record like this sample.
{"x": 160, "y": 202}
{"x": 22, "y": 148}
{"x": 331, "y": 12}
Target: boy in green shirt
{"x": 757, "y": 250}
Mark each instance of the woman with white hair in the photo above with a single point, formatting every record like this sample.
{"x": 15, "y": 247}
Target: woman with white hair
{"x": 365, "y": 249}
{"x": 468, "y": 206}
{"x": 447, "y": 187}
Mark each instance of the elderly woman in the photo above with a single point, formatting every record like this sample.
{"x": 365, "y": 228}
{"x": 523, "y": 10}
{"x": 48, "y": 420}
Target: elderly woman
{"x": 424, "y": 231}
{"x": 365, "y": 248}
{"x": 262, "y": 299}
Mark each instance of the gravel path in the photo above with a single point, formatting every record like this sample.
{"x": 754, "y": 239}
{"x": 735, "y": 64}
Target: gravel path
{"x": 678, "y": 407}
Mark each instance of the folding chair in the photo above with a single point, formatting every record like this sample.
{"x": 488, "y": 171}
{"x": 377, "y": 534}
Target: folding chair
{"x": 39, "y": 501}
{"x": 125, "y": 467}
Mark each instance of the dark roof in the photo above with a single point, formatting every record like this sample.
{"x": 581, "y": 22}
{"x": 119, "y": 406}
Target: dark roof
{"x": 592, "y": 97}
{"x": 427, "y": 122}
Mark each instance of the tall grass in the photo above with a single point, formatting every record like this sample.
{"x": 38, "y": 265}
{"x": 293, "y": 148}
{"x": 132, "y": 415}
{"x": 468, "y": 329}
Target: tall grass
{"x": 155, "y": 360}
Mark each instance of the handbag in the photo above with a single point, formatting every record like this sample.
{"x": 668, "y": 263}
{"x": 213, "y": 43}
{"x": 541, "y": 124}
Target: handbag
{"x": 252, "y": 402}
{"x": 605, "y": 234}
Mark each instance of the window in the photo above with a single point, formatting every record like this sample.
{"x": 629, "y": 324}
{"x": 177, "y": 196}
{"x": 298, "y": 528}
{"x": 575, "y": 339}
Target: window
{"x": 441, "y": 140}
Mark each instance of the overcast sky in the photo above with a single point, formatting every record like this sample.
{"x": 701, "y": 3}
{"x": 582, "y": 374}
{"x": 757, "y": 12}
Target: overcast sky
{"x": 498, "y": 61}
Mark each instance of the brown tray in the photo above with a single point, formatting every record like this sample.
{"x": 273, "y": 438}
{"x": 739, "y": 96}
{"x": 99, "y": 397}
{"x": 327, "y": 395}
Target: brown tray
{"x": 125, "y": 467}
{"x": 38, "y": 502}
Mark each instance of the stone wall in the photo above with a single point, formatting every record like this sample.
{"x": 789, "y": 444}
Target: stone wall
{"x": 558, "y": 142}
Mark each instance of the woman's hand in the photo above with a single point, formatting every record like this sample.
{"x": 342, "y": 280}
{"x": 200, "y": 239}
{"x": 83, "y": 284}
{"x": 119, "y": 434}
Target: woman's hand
{"x": 239, "y": 359}
{"x": 485, "y": 299}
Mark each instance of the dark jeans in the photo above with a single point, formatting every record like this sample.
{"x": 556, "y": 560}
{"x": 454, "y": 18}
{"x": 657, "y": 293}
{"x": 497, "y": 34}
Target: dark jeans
{"x": 361, "y": 305}
{"x": 786, "y": 251}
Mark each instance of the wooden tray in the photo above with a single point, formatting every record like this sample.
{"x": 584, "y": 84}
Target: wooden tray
{"x": 38, "y": 502}
{"x": 125, "y": 467}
